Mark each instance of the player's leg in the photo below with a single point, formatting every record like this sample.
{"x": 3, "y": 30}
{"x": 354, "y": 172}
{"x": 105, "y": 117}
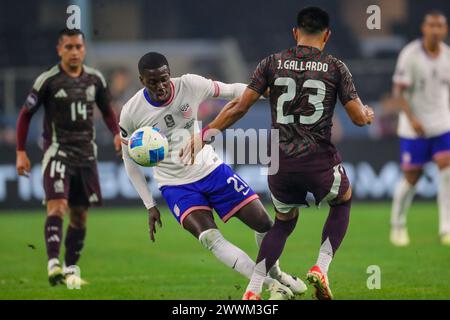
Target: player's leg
{"x": 200, "y": 223}
{"x": 256, "y": 217}
{"x": 441, "y": 155}
{"x": 56, "y": 181}
{"x": 271, "y": 249}
{"x": 75, "y": 235}
{"x": 287, "y": 196}
{"x": 338, "y": 194}
{"x": 192, "y": 209}
{"x": 53, "y": 236}
{"x": 414, "y": 154}
{"x": 84, "y": 192}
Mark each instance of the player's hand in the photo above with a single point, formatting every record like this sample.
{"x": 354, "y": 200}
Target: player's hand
{"x": 117, "y": 144}
{"x": 191, "y": 149}
{"x": 153, "y": 217}
{"x": 370, "y": 114}
{"x": 417, "y": 126}
{"x": 23, "y": 164}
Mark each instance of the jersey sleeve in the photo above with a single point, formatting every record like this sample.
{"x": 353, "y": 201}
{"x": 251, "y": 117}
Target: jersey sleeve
{"x": 346, "y": 88}
{"x": 37, "y": 95}
{"x": 202, "y": 87}
{"x": 102, "y": 96}
{"x": 125, "y": 125}
{"x": 403, "y": 69}
{"x": 259, "y": 81}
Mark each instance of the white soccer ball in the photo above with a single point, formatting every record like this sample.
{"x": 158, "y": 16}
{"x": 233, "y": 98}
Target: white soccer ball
{"x": 148, "y": 146}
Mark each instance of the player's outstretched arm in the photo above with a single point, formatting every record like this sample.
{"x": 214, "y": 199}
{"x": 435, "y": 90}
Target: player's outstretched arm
{"x": 360, "y": 114}
{"x": 228, "y": 90}
{"x": 232, "y": 112}
{"x": 137, "y": 179}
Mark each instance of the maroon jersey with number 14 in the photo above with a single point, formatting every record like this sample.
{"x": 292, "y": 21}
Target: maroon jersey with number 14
{"x": 304, "y": 85}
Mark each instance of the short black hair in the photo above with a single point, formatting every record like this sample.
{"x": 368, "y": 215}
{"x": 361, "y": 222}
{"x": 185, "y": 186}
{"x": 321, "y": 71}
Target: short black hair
{"x": 434, "y": 13}
{"x": 313, "y": 20}
{"x": 70, "y": 32}
{"x": 152, "y": 60}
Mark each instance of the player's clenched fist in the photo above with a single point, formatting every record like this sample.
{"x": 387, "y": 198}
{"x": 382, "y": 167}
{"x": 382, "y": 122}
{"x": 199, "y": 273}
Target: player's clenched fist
{"x": 370, "y": 115}
{"x": 23, "y": 164}
{"x": 153, "y": 217}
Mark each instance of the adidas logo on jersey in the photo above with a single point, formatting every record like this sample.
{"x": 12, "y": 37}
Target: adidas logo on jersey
{"x": 61, "y": 94}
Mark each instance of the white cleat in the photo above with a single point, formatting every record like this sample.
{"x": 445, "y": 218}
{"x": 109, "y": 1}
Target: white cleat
{"x": 72, "y": 277}
{"x": 445, "y": 239}
{"x": 399, "y": 237}
{"x": 297, "y": 286}
{"x": 55, "y": 273}
{"x": 279, "y": 291}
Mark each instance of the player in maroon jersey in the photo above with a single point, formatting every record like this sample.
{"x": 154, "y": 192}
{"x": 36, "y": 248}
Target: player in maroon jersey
{"x": 68, "y": 91}
{"x": 304, "y": 84}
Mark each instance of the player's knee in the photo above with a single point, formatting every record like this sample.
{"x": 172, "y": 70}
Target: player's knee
{"x": 264, "y": 222}
{"x": 57, "y": 208}
{"x": 78, "y": 218}
{"x": 286, "y": 226}
{"x": 443, "y": 162}
{"x": 346, "y": 198}
{"x": 287, "y": 216}
{"x": 412, "y": 176}
{"x": 210, "y": 238}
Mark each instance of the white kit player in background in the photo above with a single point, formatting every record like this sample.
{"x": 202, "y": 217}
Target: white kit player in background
{"x": 193, "y": 191}
{"x": 421, "y": 85}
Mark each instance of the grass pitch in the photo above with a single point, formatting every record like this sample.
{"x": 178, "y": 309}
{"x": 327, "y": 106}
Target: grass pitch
{"x": 121, "y": 262}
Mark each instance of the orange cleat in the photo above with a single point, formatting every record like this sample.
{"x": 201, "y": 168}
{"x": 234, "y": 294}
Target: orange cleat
{"x": 249, "y": 295}
{"x": 320, "y": 283}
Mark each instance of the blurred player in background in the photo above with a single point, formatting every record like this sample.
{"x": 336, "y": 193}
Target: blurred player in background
{"x": 192, "y": 192}
{"x": 421, "y": 85}
{"x": 304, "y": 84}
{"x": 68, "y": 91}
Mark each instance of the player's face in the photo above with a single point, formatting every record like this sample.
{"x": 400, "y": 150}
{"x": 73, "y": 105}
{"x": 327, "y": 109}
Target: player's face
{"x": 71, "y": 49}
{"x": 157, "y": 82}
{"x": 434, "y": 28}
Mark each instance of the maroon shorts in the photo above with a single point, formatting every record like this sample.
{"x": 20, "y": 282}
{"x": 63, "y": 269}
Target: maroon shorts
{"x": 79, "y": 185}
{"x": 289, "y": 189}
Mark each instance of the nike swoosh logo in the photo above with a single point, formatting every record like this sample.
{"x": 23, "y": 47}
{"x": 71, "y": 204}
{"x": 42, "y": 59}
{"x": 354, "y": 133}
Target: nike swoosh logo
{"x": 234, "y": 265}
{"x": 246, "y": 192}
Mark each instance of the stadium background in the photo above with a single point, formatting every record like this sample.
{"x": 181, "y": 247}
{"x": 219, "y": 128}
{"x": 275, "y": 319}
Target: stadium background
{"x": 223, "y": 40}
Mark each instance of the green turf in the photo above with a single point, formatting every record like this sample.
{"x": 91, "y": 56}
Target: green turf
{"x": 120, "y": 261}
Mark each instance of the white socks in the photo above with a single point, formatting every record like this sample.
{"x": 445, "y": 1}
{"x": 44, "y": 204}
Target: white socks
{"x": 403, "y": 196}
{"x": 229, "y": 254}
{"x": 256, "y": 282}
{"x": 325, "y": 256}
{"x": 275, "y": 271}
{"x": 444, "y": 201}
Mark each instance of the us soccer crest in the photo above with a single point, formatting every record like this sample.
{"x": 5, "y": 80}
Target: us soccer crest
{"x": 90, "y": 93}
{"x": 186, "y": 110}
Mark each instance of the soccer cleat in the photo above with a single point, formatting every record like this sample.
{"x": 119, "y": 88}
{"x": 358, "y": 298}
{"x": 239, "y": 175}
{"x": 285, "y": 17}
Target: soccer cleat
{"x": 399, "y": 237}
{"x": 249, "y": 295}
{"x": 72, "y": 277}
{"x": 297, "y": 286}
{"x": 320, "y": 282}
{"x": 55, "y": 273}
{"x": 445, "y": 239}
{"x": 279, "y": 291}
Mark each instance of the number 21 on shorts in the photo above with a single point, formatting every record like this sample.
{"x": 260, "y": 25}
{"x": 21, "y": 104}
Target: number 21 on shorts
{"x": 239, "y": 184}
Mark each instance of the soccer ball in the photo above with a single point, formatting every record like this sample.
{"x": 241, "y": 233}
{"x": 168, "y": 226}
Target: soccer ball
{"x": 148, "y": 146}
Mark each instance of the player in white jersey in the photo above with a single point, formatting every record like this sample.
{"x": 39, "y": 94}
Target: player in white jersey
{"x": 193, "y": 191}
{"x": 421, "y": 85}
